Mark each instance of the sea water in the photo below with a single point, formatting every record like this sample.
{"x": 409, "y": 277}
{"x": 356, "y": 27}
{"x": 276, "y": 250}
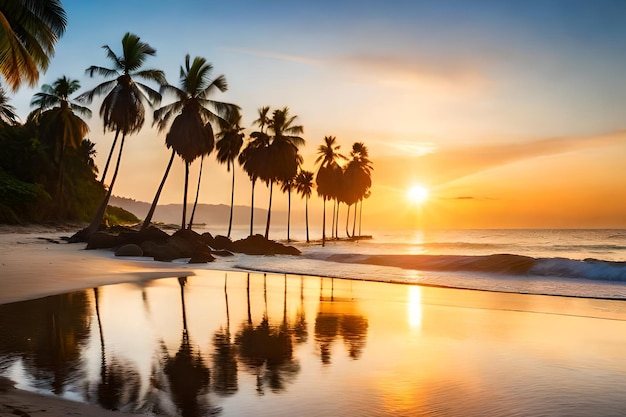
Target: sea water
{"x": 567, "y": 262}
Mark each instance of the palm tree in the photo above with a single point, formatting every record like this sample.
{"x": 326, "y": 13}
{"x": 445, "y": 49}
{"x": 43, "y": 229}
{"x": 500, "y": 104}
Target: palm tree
{"x": 283, "y": 157}
{"x": 252, "y": 160}
{"x": 229, "y": 143}
{"x": 122, "y": 109}
{"x": 304, "y": 187}
{"x": 59, "y": 125}
{"x": 359, "y": 177}
{"x": 328, "y": 155}
{"x": 28, "y": 32}
{"x": 8, "y": 117}
{"x": 253, "y": 157}
{"x": 286, "y": 187}
{"x": 190, "y": 134}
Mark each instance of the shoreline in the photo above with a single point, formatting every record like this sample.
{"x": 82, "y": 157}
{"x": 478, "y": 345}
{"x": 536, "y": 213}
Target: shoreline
{"x": 34, "y": 264}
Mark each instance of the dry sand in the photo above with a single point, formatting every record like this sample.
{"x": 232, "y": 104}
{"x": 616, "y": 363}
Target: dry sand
{"x": 33, "y": 265}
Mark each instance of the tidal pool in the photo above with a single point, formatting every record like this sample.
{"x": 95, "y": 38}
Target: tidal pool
{"x": 243, "y": 344}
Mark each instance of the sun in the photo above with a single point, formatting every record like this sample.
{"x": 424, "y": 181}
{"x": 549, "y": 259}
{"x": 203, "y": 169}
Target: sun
{"x": 417, "y": 194}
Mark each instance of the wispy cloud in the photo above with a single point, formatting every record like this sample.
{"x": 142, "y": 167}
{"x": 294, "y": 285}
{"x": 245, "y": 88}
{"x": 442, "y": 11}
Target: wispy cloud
{"x": 451, "y": 163}
{"x": 278, "y": 56}
{"x": 417, "y": 73}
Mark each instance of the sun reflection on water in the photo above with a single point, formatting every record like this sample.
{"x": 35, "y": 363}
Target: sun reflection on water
{"x": 414, "y": 307}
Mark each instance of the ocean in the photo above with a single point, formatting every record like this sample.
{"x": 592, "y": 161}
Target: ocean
{"x": 564, "y": 262}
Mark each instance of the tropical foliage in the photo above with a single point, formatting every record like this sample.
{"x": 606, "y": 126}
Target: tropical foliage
{"x": 191, "y": 135}
{"x": 47, "y": 168}
{"x": 28, "y": 32}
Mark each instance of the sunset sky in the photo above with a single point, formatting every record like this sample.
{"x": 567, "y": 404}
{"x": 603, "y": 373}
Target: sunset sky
{"x": 512, "y": 113}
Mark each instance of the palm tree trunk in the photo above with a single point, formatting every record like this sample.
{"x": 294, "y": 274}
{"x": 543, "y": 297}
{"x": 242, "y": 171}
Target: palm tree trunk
{"x": 185, "y": 195}
{"x": 269, "y": 212}
{"x": 195, "y": 203}
{"x": 252, "y": 207}
{"x": 148, "y": 219}
{"x": 360, "y": 217}
{"x": 97, "y": 219}
{"x": 332, "y": 226}
{"x": 337, "y": 221}
{"x": 106, "y": 166}
{"x": 324, "y": 224}
{"x": 288, "y": 212}
{"x": 354, "y": 219}
{"x": 306, "y": 217}
{"x": 232, "y": 200}
{"x": 348, "y": 222}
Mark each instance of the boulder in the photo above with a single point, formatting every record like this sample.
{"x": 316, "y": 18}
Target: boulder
{"x": 129, "y": 249}
{"x": 222, "y": 252}
{"x": 258, "y": 245}
{"x": 102, "y": 240}
{"x": 222, "y": 242}
{"x": 201, "y": 258}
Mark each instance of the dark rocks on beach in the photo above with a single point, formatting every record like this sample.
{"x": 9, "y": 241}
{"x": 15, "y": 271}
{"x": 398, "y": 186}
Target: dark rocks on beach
{"x": 130, "y": 249}
{"x": 258, "y": 245}
{"x": 155, "y": 243}
{"x": 102, "y": 240}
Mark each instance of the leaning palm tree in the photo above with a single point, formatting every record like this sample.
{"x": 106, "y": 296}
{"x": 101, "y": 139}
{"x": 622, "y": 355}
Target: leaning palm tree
{"x": 304, "y": 187}
{"x": 284, "y": 159}
{"x": 328, "y": 155}
{"x": 229, "y": 143}
{"x": 122, "y": 109}
{"x": 28, "y": 32}
{"x": 8, "y": 117}
{"x": 190, "y": 134}
{"x": 59, "y": 125}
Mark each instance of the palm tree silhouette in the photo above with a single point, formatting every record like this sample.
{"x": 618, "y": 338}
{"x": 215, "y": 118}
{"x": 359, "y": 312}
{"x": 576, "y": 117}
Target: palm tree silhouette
{"x": 8, "y": 117}
{"x": 190, "y": 134}
{"x": 359, "y": 176}
{"x": 229, "y": 143}
{"x": 284, "y": 159}
{"x": 286, "y": 187}
{"x": 327, "y": 173}
{"x": 122, "y": 109}
{"x": 253, "y": 157}
{"x": 304, "y": 187}
{"x": 59, "y": 125}
{"x": 30, "y": 29}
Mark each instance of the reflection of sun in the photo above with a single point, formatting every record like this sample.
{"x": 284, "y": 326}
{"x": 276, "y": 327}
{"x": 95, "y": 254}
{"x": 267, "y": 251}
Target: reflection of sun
{"x": 417, "y": 194}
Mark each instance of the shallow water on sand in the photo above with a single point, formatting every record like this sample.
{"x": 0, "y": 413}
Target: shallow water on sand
{"x": 258, "y": 344}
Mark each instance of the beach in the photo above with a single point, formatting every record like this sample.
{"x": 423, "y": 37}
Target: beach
{"x": 354, "y": 347}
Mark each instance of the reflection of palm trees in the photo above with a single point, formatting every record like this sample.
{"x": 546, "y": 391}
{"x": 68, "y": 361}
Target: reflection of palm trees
{"x": 267, "y": 350}
{"x": 330, "y": 324}
{"x": 300, "y": 330}
{"x": 225, "y": 357}
{"x": 119, "y": 384}
{"x": 187, "y": 373}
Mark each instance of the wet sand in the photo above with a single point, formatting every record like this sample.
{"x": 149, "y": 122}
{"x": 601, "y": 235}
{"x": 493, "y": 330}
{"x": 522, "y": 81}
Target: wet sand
{"x": 32, "y": 265}
{"x": 487, "y": 333}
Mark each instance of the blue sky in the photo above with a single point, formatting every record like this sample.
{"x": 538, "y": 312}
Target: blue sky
{"x": 411, "y": 79}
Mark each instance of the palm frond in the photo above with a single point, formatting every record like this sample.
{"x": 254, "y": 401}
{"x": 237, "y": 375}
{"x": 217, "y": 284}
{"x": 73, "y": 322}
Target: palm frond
{"x": 104, "y": 72}
{"x": 101, "y": 89}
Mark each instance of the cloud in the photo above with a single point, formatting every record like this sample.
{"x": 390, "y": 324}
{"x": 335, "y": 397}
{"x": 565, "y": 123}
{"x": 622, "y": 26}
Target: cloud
{"x": 415, "y": 73}
{"x": 278, "y": 56}
{"x": 451, "y": 163}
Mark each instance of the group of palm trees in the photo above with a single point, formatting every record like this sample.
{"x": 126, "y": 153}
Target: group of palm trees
{"x": 271, "y": 154}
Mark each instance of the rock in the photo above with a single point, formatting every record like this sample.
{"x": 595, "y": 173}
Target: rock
{"x": 258, "y": 245}
{"x": 102, "y": 240}
{"x": 129, "y": 249}
{"x": 152, "y": 233}
{"x": 222, "y": 242}
{"x": 208, "y": 239}
{"x": 201, "y": 258}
